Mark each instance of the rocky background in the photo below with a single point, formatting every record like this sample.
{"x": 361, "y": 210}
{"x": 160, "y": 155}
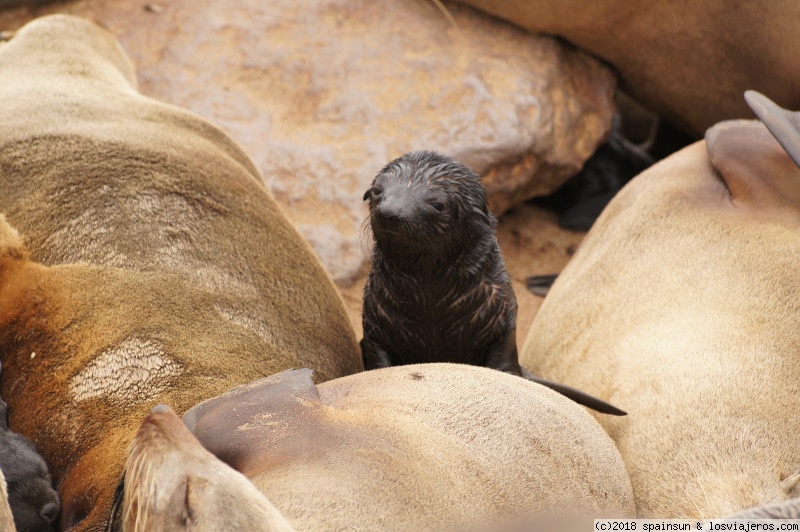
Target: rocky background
{"x": 322, "y": 93}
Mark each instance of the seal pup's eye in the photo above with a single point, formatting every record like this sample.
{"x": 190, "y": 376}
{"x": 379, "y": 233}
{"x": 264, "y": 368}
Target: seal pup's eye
{"x": 438, "y": 206}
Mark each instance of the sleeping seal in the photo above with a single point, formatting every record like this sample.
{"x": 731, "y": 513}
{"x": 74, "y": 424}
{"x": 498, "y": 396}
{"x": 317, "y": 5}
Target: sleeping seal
{"x": 465, "y": 447}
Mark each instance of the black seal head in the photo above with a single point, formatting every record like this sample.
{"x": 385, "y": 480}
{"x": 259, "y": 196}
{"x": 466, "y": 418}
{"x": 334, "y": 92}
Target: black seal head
{"x": 427, "y": 204}
{"x": 33, "y": 501}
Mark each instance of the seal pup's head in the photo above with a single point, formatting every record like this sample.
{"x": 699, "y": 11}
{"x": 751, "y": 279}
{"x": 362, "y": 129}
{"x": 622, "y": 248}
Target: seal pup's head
{"x": 33, "y": 501}
{"x": 427, "y": 203}
{"x": 173, "y": 483}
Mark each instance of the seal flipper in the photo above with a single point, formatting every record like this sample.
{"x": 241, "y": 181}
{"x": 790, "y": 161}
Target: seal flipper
{"x": 217, "y": 423}
{"x": 782, "y": 123}
{"x": 758, "y": 165}
{"x": 373, "y": 356}
{"x": 582, "y": 398}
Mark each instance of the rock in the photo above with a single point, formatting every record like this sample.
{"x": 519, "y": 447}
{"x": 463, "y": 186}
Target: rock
{"x": 321, "y": 94}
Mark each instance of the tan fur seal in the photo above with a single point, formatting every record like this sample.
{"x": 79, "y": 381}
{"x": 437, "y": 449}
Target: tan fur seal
{"x": 424, "y": 447}
{"x": 688, "y": 61}
{"x": 155, "y": 266}
{"x": 178, "y": 485}
{"x": 684, "y": 297}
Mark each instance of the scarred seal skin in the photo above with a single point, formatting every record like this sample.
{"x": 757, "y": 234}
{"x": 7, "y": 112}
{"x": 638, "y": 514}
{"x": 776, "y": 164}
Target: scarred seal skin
{"x": 438, "y": 290}
{"x": 142, "y": 261}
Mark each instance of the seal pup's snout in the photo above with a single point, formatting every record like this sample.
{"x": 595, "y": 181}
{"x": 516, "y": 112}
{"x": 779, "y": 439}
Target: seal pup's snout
{"x": 394, "y": 203}
{"x": 50, "y": 511}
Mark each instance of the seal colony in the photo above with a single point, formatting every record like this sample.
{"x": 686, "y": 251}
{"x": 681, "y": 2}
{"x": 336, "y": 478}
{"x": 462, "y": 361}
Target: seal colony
{"x": 142, "y": 261}
{"x": 423, "y": 447}
{"x": 438, "y": 290}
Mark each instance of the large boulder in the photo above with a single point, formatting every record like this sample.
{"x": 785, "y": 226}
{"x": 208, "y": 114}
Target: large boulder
{"x": 321, "y": 94}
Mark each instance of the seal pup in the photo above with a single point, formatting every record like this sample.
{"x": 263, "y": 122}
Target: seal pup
{"x": 26, "y": 481}
{"x": 703, "y": 316}
{"x": 454, "y": 442}
{"x": 438, "y": 290}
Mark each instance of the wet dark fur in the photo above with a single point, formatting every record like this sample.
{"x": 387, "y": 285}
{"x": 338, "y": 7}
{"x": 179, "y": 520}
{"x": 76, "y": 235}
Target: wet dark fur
{"x": 33, "y": 501}
{"x": 438, "y": 290}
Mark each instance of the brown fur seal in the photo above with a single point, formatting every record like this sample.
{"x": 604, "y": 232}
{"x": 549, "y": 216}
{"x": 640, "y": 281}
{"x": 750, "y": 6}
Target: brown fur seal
{"x": 156, "y": 267}
{"x": 455, "y": 443}
{"x": 698, "y": 331}
{"x": 27, "y": 486}
{"x": 688, "y": 61}
{"x": 438, "y": 290}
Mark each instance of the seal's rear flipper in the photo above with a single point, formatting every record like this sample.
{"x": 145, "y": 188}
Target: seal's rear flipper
{"x": 782, "y": 123}
{"x": 582, "y": 398}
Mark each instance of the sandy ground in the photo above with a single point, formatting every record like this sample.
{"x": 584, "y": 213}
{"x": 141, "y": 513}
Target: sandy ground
{"x": 532, "y": 244}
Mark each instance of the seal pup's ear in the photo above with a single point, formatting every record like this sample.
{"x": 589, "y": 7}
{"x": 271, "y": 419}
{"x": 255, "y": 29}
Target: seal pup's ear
{"x": 782, "y": 123}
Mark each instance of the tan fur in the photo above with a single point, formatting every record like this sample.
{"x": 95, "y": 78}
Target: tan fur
{"x": 689, "y": 61}
{"x": 161, "y": 271}
{"x": 175, "y": 484}
{"x": 6, "y": 518}
{"x": 422, "y": 447}
{"x": 682, "y": 306}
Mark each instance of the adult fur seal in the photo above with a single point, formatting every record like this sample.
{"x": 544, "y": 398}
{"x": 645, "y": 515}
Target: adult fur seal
{"x": 438, "y": 290}
{"x": 143, "y": 261}
{"x": 454, "y": 442}
{"x": 688, "y": 61}
{"x": 703, "y": 317}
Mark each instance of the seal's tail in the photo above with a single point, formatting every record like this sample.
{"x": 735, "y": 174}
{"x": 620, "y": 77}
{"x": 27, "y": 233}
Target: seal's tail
{"x": 576, "y": 395}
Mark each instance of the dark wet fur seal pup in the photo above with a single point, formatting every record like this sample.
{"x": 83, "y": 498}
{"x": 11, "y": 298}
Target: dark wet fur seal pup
{"x": 33, "y": 501}
{"x": 438, "y": 290}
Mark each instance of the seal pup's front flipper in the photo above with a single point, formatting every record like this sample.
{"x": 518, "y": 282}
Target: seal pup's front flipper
{"x": 580, "y": 397}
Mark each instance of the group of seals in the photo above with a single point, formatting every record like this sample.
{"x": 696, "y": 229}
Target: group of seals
{"x": 697, "y": 333}
{"x": 423, "y": 447}
{"x": 438, "y": 290}
{"x": 142, "y": 261}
